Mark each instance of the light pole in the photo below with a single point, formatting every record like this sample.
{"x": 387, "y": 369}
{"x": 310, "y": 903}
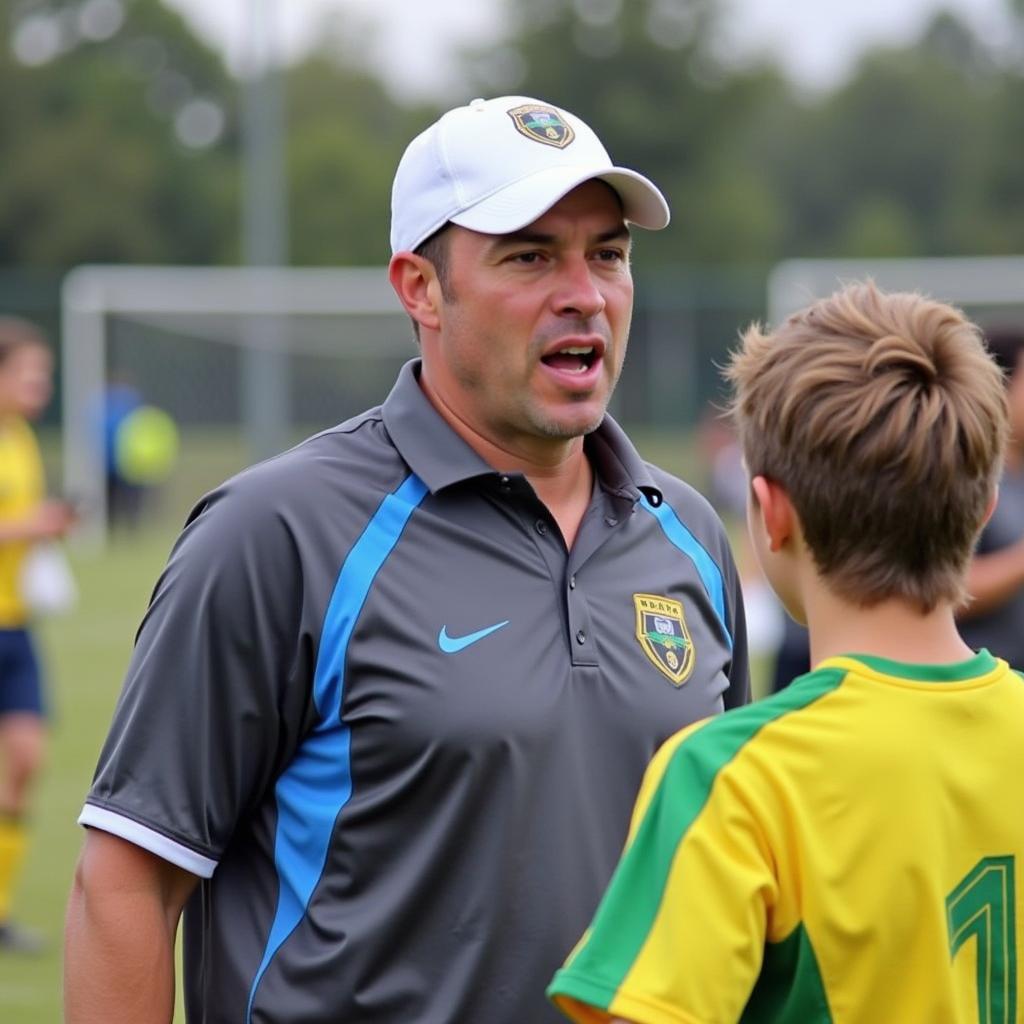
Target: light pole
{"x": 265, "y": 377}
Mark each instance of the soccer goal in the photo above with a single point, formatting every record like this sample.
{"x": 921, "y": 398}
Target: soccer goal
{"x": 989, "y": 288}
{"x": 245, "y": 360}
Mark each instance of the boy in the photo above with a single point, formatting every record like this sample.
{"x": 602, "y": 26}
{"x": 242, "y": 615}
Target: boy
{"x": 848, "y": 849}
{"x": 26, "y": 518}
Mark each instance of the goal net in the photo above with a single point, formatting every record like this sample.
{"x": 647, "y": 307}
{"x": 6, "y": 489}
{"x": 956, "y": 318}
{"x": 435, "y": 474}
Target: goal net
{"x": 246, "y": 361}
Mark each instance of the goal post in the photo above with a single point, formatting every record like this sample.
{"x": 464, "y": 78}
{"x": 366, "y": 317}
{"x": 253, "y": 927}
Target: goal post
{"x": 269, "y": 315}
{"x": 989, "y": 285}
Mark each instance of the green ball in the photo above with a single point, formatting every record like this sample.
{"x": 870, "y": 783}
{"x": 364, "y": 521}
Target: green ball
{"x": 146, "y": 446}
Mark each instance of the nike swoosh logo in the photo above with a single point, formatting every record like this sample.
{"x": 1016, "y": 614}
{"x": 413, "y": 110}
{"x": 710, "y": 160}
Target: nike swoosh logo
{"x": 454, "y": 644}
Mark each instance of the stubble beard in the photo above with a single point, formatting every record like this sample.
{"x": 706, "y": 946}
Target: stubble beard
{"x": 559, "y": 430}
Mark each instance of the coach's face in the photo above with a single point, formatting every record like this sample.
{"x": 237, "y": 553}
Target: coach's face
{"x": 532, "y": 327}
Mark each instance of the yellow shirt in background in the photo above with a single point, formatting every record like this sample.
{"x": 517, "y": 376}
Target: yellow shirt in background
{"x": 22, "y": 487}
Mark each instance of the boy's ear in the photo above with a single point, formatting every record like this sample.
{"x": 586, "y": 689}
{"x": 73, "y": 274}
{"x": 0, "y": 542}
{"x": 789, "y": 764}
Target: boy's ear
{"x": 415, "y": 282}
{"x": 775, "y": 512}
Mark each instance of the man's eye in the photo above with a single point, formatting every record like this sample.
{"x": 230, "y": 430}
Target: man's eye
{"x": 526, "y": 257}
{"x": 610, "y": 255}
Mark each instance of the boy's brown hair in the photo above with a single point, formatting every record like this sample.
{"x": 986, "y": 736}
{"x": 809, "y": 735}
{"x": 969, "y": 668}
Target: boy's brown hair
{"x": 884, "y": 419}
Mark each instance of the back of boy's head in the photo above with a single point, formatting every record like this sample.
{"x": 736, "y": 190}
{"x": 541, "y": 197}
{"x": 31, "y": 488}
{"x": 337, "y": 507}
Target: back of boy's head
{"x": 884, "y": 419}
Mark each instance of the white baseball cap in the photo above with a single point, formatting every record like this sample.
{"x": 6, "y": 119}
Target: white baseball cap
{"x": 496, "y": 165}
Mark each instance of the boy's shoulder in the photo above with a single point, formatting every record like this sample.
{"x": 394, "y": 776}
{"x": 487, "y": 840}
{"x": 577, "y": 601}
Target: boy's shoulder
{"x": 869, "y": 684}
{"x": 711, "y": 745}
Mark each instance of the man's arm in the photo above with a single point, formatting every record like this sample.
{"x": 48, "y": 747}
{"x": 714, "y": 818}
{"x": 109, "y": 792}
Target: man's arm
{"x": 119, "y": 937}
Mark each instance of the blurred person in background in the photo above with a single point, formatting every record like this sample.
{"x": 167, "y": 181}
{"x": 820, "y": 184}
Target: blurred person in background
{"x": 792, "y": 655}
{"x": 124, "y": 497}
{"x": 26, "y": 518}
{"x": 394, "y": 693}
{"x": 994, "y": 617}
{"x": 140, "y": 449}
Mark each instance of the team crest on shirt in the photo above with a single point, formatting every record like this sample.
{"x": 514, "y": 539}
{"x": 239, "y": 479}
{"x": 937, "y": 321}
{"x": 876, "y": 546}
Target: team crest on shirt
{"x": 542, "y": 124}
{"x": 664, "y": 637}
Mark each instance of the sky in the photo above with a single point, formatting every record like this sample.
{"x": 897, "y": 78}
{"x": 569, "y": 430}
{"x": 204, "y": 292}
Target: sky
{"x": 818, "y": 41}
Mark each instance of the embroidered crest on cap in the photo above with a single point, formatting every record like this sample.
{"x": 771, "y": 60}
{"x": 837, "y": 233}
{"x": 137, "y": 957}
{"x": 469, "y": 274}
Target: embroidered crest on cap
{"x": 542, "y": 124}
{"x": 664, "y": 637}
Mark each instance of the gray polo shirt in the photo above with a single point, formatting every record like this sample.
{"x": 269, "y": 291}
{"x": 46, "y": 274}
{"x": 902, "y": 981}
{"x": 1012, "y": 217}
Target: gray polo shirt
{"x": 398, "y": 729}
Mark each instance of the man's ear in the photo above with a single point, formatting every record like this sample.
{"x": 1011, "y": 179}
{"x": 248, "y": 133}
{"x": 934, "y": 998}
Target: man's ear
{"x": 774, "y": 512}
{"x": 417, "y": 287}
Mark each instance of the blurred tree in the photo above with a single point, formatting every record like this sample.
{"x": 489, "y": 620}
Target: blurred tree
{"x": 901, "y": 159}
{"x": 1002, "y": 184}
{"x": 115, "y": 122}
{"x": 346, "y": 136}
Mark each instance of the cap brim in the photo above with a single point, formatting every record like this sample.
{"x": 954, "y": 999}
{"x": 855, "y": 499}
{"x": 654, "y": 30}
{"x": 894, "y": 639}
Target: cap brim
{"x": 522, "y": 202}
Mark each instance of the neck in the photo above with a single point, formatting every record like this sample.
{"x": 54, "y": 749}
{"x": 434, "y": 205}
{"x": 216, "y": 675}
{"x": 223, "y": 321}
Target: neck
{"x": 557, "y": 468}
{"x": 893, "y": 629}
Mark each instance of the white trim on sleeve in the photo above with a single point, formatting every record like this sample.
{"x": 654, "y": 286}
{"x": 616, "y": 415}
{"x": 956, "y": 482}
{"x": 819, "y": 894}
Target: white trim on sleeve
{"x": 148, "y": 839}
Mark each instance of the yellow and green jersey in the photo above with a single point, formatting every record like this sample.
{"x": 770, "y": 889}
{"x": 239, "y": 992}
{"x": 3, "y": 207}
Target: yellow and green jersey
{"x": 22, "y": 487}
{"x": 846, "y": 851}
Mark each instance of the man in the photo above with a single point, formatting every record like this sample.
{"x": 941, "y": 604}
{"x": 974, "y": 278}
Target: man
{"x": 26, "y": 518}
{"x": 845, "y": 851}
{"x": 994, "y": 617}
{"x": 396, "y": 687}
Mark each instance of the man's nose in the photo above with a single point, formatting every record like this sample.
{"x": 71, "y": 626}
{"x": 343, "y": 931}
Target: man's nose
{"x": 578, "y": 293}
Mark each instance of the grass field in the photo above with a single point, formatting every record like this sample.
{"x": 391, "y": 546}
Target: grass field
{"x": 86, "y": 653}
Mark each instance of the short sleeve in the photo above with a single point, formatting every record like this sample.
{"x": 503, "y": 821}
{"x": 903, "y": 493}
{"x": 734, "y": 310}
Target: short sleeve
{"x": 216, "y": 696}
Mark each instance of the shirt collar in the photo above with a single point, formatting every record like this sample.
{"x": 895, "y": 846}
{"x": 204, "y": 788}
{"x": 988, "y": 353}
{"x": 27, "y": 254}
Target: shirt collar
{"x": 440, "y": 458}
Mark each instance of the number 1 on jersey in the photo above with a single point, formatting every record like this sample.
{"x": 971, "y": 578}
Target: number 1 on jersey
{"x": 982, "y": 907}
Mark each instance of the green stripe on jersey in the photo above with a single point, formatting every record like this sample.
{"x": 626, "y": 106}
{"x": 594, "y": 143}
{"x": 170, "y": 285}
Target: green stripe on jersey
{"x": 681, "y": 795}
{"x": 789, "y": 989}
{"x": 978, "y": 665}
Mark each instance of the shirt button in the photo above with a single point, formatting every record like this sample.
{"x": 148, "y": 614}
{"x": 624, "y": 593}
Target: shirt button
{"x": 542, "y": 527}
{"x": 505, "y": 484}
{"x": 581, "y": 637}
{"x": 611, "y": 520}
{"x": 572, "y": 582}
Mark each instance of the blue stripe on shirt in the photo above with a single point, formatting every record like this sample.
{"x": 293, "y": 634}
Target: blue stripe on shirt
{"x": 317, "y": 784}
{"x": 710, "y": 574}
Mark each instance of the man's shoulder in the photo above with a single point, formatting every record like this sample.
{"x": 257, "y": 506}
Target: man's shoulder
{"x": 354, "y": 452}
{"x": 679, "y": 494}
{"x": 716, "y": 743}
{"x": 691, "y": 508}
{"x": 347, "y": 468}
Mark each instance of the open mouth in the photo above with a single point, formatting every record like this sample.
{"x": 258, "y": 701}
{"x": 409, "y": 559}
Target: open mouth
{"x": 575, "y": 359}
